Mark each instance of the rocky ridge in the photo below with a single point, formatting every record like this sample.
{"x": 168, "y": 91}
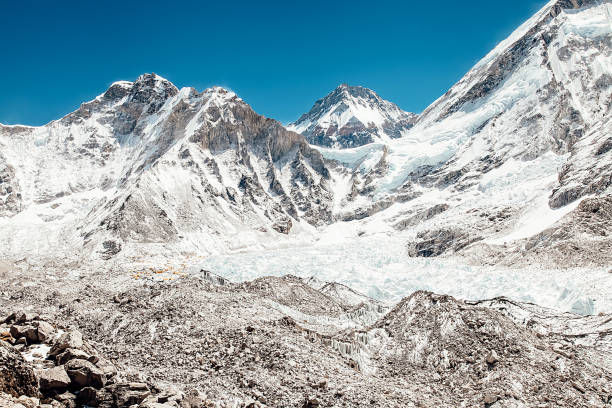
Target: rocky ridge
{"x": 525, "y": 132}
{"x": 147, "y": 163}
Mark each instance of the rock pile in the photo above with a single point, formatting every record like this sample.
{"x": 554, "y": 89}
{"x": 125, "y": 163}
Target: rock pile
{"x": 44, "y": 365}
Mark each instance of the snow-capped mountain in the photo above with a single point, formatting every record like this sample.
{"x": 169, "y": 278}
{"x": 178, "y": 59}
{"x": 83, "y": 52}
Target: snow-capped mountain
{"x": 352, "y": 116}
{"x": 506, "y": 154}
{"x": 147, "y": 163}
{"x": 211, "y": 257}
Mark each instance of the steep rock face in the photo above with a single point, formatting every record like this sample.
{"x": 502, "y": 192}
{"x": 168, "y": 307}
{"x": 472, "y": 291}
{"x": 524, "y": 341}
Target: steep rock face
{"x": 234, "y": 163}
{"x": 581, "y": 237}
{"x": 148, "y": 163}
{"x": 352, "y": 116}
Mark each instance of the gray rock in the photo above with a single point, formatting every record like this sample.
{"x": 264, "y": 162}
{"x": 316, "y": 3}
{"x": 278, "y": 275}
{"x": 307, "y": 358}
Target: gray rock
{"x": 126, "y": 394}
{"x": 84, "y": 374}
{"x": 88, "y": 396}
{"x": 71, "y": 339}
{"x": 23, "y": 317}
{"x": 30, "y": 333}
{"x": 492, "y": 357}
{"x": 53, "y": 379}
{"x": 71, "y": 354}
{"x": 16, "y": 376}
{"x": 311, "y": 402}
{"x": 45, "y": 331}
{"x": 67, "y": 398}
{"x": 490, "y": 399}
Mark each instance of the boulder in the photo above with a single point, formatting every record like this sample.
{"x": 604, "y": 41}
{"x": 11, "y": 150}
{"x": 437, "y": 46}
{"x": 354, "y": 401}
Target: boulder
{"x": 311, "y": 402}
{"x": 30, "y": 333}
{"x": 492, "y": 357}
{"x": 88, "y": 396}
{"x": 45, "y": 331}
{"x": 72, "y": 339}
{"x": 103, "y": 364}
{"x": 9, "y": 319}
{"x": 7, "y": 400}
{"x": 54, "y": 379}
{"x": 16, "y": 376}
{"x": 71, "y": 354}
{"x": 490, "y": 399}
{"x": 126, "y": 394}
{"x": 67, "y": 398}
{"x": 82, "y": 373}
{"x": 23, "y": 317}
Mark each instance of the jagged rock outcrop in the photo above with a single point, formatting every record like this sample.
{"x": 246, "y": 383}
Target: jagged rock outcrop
{"x": 436, "y": 242}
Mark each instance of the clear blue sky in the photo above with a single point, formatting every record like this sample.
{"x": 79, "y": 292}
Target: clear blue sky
{"x": 279, "y": 56}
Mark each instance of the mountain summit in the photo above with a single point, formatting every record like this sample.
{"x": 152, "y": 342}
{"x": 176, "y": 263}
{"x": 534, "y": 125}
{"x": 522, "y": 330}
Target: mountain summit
{"x": 352, "y": 116}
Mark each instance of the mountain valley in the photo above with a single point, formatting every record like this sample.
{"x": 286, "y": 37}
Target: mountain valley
{"x": 360, "y": 256}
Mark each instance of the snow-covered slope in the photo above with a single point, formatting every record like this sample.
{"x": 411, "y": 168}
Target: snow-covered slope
{"x": 148, "y": 163}
{"x": 506, "y": 152}
{"x": 352, "y": 116}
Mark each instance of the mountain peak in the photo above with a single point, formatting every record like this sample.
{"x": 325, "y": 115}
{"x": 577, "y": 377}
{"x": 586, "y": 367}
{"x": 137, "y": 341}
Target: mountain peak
{"x": 146, "y": 89}
{"x": 352, "y": 90}
{"x": 351, "y": 116}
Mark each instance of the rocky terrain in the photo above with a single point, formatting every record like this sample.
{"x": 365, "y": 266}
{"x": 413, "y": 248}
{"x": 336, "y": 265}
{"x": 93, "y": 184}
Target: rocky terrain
{"x": 282, "y": 342}
{"x": 43, "y": 365}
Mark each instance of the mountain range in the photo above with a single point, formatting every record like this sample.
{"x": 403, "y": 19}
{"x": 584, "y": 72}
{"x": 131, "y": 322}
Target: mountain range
{"x": 212, "y": 257}
{"x": 524, "y": 135}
